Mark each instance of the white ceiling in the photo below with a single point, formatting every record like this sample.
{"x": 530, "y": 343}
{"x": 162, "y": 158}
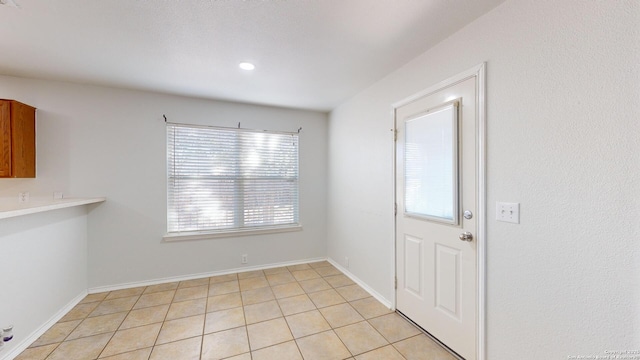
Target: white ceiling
{"x": 310, "y": 54}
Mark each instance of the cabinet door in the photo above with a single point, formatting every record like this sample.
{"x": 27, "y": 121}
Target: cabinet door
{"x": 23, "y": 140}
{"x": 5, "y": 138}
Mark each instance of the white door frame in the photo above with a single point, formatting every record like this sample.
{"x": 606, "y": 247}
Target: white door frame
{"x": 478, "y": 71}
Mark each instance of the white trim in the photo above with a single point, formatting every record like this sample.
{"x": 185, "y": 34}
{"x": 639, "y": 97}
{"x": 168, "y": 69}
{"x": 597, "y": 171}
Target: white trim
{"x": 31, "y": 338}
{"x": 479, "y": 72}
{"x": 482, "y": 211}
{"x": 446, "y": 83}
{"x": 201, "y": 235}
{"x": 388, "y": 304}
{"x": 134, "y": 284}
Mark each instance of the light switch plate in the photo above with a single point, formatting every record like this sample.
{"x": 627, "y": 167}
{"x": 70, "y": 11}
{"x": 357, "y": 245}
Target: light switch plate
{"x": 508, "y": 212}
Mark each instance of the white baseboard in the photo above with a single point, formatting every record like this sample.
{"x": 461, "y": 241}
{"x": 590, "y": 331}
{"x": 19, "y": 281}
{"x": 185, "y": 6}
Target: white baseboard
{"x": 375, "y": 294}
{"x": 200, "y": 275}
{"x": 362, "y": 284}
{"x": 27, "y": 341}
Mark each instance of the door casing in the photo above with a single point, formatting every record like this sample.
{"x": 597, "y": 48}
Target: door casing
{"x": 479, "y": 71}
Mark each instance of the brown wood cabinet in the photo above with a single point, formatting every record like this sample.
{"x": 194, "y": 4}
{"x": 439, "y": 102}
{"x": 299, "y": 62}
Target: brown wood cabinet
{"x": 17, "y": 140}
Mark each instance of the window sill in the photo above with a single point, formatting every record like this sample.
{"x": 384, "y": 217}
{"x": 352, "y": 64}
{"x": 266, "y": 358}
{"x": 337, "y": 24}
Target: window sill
{"x": 201, "y": 235}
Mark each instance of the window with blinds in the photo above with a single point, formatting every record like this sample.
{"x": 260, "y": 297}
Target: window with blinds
{"x": 221, "y": 179}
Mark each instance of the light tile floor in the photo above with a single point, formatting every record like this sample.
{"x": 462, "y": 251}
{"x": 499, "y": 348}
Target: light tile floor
{"x": 309, "y": 311}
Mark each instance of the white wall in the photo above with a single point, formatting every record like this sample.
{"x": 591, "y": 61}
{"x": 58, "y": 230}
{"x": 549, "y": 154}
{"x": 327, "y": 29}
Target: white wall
{"x": 563, "y": 90}
{"x": 43, "y": 269}
{"x": 96, "y": 141}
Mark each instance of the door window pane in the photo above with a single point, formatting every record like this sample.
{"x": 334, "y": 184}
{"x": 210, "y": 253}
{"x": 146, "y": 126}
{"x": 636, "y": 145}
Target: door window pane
{"x": 431, "y": 164}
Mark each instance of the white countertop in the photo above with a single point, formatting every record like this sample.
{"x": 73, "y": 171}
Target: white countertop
{"x": 12, "y": 208}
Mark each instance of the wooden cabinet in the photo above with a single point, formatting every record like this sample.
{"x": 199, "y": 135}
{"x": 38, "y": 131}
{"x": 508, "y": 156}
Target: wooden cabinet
{"x": 17, "y": 140}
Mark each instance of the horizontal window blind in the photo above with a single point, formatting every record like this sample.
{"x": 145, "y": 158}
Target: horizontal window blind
{"x": 230, "y": 179}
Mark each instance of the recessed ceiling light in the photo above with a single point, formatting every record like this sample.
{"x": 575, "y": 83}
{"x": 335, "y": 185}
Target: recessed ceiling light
{"x": 246, "y": 66}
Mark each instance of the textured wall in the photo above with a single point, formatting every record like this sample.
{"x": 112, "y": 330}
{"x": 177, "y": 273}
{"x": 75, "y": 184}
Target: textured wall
{"x": 563, "y": 98}
{"x": 97, "y": 141}
{"x": 44, "y": 268}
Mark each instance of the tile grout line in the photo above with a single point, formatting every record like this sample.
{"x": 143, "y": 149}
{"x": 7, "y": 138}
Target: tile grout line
{"x": 204, "y": 323}
{"x": 287, "y": 322}
{"x": 246, "y": 326}
{"x": 335, "y": 286}
{"x": 65, "y": 338}
{"x": 164, "y": 320}
{"x": 364, "y": 319}
{"x": 114, "y": 333}
{"x": 332, "y": 328}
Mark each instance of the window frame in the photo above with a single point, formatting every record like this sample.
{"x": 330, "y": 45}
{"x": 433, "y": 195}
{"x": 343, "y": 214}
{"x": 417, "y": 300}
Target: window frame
{"x": 234, "y": 231}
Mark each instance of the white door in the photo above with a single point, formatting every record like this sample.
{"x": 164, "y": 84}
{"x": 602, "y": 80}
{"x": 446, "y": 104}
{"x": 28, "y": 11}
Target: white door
{"x": 437, "y": 211}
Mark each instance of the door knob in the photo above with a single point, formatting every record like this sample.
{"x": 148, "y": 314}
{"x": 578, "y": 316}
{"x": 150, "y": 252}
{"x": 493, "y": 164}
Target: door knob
{"x": 466, "y": 236}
